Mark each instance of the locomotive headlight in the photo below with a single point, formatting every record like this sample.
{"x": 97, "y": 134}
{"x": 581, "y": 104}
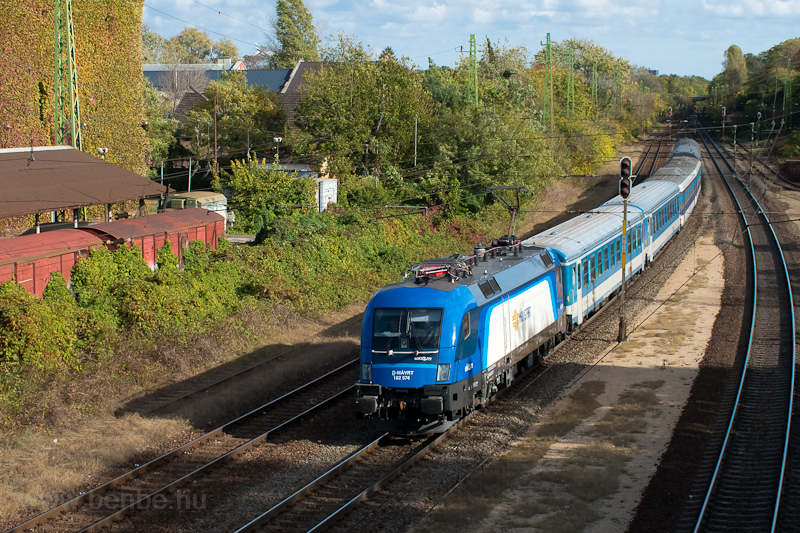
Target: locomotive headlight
{"x": 443, "y": 372}
{"x": 366, "y": 371}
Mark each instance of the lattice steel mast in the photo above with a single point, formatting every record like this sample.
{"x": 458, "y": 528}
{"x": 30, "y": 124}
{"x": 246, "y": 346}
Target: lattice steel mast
{"x": 66, "y": 78}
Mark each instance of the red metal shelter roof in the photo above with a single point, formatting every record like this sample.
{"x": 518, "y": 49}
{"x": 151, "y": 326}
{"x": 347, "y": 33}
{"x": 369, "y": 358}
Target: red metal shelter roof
{"x": 52, "y": 178}
{"x": 28, "y": 248}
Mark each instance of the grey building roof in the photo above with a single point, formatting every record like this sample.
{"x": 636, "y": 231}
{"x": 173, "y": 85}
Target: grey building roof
{"x": 273, "y": 79}
{"x": 162, "y": 76}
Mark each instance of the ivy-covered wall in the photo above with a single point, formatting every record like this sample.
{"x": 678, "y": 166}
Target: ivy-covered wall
{"x": 111, "y": 86}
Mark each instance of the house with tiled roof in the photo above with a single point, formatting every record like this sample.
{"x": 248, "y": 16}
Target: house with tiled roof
{"x": 290, "y": 93}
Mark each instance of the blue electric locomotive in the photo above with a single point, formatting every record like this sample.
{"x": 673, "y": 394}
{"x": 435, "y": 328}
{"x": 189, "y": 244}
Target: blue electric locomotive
{"x": 440, "y": 343}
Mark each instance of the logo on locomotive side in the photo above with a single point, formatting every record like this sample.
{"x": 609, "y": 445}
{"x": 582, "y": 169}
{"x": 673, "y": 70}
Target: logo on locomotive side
{"x": 520, "y": 317}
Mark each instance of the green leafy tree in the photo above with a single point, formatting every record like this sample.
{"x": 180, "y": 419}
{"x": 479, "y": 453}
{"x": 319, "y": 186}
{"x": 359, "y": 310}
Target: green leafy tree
{"x": 359, "y": 114}
{"x": 735, "y": 68}
{"x": 152, "y": 45}
{"x": 225, "y": 48}
{"x": 240, "y": 110}
{"x": 160, "y": 128}
{"x": 295, "y": 35}
{"x": 262, "y": 194}
{"x": 195, "y": 45}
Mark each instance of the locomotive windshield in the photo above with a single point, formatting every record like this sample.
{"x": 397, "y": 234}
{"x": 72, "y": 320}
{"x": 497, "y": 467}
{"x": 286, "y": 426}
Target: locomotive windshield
{"x": 406, "y": 331}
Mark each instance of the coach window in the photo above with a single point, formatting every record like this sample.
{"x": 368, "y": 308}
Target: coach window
{"x": 639, "y": 237}
{"x": 628, "y": 238}
{"x": 619, "y": 243}
{"x": 585, "y": 273}
{"x": 600, "y": 263}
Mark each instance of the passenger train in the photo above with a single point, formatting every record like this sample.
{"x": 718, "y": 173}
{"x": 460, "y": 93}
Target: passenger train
{"x": 440, "y": 343}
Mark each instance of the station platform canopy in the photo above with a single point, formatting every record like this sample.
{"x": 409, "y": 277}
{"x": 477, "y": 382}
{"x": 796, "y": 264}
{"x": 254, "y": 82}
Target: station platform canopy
{"x": 54, "y": 178}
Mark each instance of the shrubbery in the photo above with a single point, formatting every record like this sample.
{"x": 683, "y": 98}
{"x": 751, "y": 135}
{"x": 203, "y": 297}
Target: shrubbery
{"x": 310, "y": 262}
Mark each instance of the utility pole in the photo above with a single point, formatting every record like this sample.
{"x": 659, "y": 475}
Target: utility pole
{"x": 571, "y": 83}
{"x": 619, "y": 87}
{"x": 415, "y": 140}
{"x": 472, "y": 90}
{"x": 548, "y": 86}
{"x": 787, "y": 92}
{"x": 594, "y": 85}
{"x": 216, "y": 161}
{"x": 65, "y": 45}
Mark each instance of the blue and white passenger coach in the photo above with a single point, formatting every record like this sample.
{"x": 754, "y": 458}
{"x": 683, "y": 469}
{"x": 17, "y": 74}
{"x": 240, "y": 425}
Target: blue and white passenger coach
{"x": 590, "y": 246}
{"x": 438, "y": 344}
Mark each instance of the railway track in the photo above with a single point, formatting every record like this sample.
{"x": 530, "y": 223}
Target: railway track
{"x": 326, "y": 500}
{"x": 650, "y": 159}
{"x": 758, "y": 165}
{"x": 739, "y": 485}
{"x": 161, "y": 478}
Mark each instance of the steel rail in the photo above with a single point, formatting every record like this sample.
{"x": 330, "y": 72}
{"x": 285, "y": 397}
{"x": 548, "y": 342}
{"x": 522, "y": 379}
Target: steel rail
{"x": 740, "y": 391}
{"x": 102, "y": 489}
{"x": 338, "y": 470}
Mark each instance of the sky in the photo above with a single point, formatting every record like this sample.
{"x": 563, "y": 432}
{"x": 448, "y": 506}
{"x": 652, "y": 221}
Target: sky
{"x": 683, "y": 37}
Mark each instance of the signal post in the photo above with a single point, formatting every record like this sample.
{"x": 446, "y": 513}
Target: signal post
{"x": 625, "y": 180}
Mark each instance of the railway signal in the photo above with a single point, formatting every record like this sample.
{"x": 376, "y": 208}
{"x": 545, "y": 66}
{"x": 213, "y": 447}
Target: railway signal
{"x": 723, "y": 123}
{"x": 625, "y": 165}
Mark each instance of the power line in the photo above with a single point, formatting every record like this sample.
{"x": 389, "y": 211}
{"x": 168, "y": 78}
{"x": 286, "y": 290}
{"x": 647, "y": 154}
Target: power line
{"x": 229, "y": 16}
{"x": 196, "y": 26}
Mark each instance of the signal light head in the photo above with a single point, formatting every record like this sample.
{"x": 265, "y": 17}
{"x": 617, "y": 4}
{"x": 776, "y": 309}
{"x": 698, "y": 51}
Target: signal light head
{"x": 625, "y": 167}
{"x": 625, "y": 188}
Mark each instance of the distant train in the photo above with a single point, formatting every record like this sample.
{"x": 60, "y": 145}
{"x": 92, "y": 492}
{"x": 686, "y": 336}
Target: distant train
{"x": 30, "y": 259}
{"x": 440, "y": 343}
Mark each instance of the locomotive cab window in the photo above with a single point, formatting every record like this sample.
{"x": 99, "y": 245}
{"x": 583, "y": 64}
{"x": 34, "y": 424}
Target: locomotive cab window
{"x": 406, "y": 330}
{"x": 468, "y": 335}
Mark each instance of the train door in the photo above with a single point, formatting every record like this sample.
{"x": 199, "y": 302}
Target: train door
{"x": 577, "y": 295}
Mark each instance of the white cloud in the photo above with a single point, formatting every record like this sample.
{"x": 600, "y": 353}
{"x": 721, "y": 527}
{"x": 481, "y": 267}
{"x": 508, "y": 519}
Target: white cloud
{"x": 753, "y": 8}
{"x": 436, "y": 13}
{"x": 482, "y": 16}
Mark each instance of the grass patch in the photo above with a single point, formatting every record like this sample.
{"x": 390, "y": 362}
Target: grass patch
{"x": 33, "y": 478}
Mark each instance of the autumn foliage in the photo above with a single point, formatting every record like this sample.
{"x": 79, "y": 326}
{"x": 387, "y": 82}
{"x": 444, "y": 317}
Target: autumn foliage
{"x": 108, "y": 54}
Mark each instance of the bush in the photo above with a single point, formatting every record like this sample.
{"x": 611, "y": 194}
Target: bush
{"x": 36, "y": 334}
